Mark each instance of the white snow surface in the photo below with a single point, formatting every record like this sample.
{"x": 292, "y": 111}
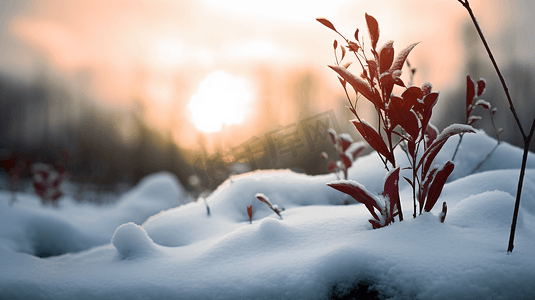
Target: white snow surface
{"x": 319, "y": 250}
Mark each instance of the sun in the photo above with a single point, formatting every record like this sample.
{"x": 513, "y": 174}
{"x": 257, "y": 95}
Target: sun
{"x": 220, "y": 99}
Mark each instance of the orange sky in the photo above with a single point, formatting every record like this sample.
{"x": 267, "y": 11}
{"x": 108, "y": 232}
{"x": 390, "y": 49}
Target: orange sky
{"x": 161, "y": 50}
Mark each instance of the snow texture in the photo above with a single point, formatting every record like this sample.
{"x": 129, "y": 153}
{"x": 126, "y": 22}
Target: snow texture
{"x": 151, "y": 245}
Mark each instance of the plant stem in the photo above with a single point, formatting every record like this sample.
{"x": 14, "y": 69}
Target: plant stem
{"x": 527, "y": 142}
{"x": 486, "y": 158}
{"x": 457, "y": 148}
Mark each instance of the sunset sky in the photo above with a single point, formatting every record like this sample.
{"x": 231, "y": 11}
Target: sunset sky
{"x": 166, "y": 52}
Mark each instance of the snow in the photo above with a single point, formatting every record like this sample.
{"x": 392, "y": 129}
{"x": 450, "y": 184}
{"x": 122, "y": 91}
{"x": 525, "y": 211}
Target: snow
{"x": 157, "y": 244}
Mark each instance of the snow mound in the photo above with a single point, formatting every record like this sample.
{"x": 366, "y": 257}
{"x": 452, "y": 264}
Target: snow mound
{"x": 132, "y": 241}
{"x": 485, "y": 210}
{"x": 319, "y": 250}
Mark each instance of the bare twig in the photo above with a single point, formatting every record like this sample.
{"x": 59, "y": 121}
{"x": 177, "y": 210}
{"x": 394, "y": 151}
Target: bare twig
{"x": 526, "y": 138}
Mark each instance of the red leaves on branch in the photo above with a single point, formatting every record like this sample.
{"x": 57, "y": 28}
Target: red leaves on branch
{"x": 47, "y": 183}
{"x": 403, "y": 120}
{"x": 347, "y": 151}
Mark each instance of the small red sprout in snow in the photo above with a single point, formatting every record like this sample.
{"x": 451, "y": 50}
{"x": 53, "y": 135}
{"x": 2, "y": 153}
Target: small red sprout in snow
{"x": 473, "y": 91}
{"x": 273, "y": 207}
{"x": 347, "y": 150}
{"x": 250, "y": 213}
{"x": 47, "y": 183}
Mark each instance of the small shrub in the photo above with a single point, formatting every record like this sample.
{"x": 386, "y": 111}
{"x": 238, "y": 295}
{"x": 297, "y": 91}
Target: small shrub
{"x": 47, "y": 183}
{"x": 473, "y": 92}
{"x": 403, "y": 121}
{"x": 347, "y": 151}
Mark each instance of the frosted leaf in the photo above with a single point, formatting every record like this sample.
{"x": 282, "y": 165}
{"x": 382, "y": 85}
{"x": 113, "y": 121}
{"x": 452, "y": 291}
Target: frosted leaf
{"x": 376, "y": 199}
{"x": 454, "y": 129}
{"x": 263, "y": 198}
{"x": 346, "y": 136}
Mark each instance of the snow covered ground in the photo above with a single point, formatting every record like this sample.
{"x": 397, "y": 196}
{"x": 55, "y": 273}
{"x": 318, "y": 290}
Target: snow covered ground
{"x": 319, "y": 250}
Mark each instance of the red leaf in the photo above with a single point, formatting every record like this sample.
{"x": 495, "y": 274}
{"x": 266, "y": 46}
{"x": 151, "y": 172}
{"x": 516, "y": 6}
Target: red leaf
{"x": 386, "y": 57}
{"x": 335, "y": 44}
{"x": 250, "y": 213}
{"x": 483, "y": 104}
{"x": 356, "y": 35}
{"x": 432, "y": 132}
{"x": 373, "y": 29}
{"x": 345, "y": 160}
{"x": 431, "y": 152}
{"x": 435, "y": 189}
{"x": 375, "y": 223}
{"x": 373, "y": 138}
{"x": 391, "y": 190}
{"x": 358, "y": 84}
{"x": 402, "y": 56}
{"x": 346, "y": 140}
{"x": 423, "y": 192}
{"x": 263, "y": 198}
{"x": 470, "y": 94}
{"x": 359, "y": 193}
{"x": 326, "y": 23}
{"x": 332, "y": 167}
{"x": 354, "y": 150}
{"x": 372, "y": 67}
{"x": 430, "y": 100}
{"x": 343, "y": 53}
{"x": 411, "y": 95}
{"x": 481, "y": 84}
{"x": 400, "y": 113}
{"x": 333, "y": 135}
{"x": 473, "y": 119}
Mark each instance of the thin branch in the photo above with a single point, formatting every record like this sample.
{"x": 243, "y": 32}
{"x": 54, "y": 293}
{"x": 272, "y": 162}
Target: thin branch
{"x": 527, "y": 138}
{"x": 457, "y": 148}
{"x": 466, "y": 4}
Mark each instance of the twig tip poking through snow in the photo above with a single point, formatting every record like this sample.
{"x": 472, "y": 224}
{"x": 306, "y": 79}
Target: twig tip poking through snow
{"x": 132, "y": 241}
{"x": 265, "y": 199}
{"x": 250, "y": 213}
{"x": 442, "y": 214}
